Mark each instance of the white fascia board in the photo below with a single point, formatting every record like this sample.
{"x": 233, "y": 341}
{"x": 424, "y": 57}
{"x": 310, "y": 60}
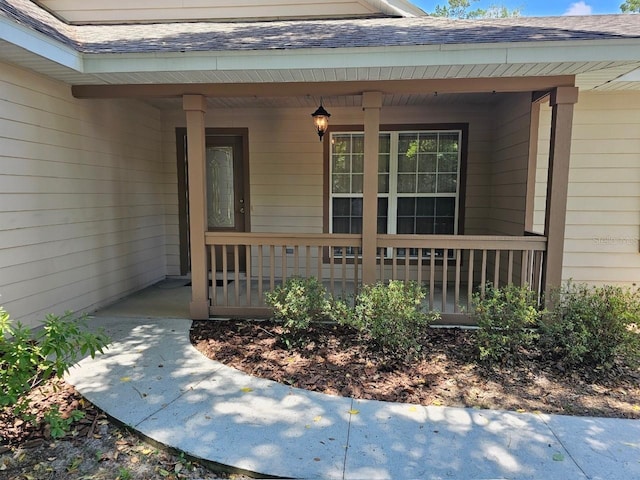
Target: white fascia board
{"x": 632, "y": 76}
{"x": 397, "y": 7}
{"x": 288, "y": 59}
{"x": 40, "y": 44}
{"x": 436, "y": 55}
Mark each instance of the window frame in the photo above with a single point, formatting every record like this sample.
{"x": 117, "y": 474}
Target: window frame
{"x": 438, "y": 127}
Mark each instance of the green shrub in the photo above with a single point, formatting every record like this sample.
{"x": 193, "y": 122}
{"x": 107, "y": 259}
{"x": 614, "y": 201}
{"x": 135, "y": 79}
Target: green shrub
{"x": 28, "y": 358}
{"x": 297, "y": 303}
{"x": 392, "y": 315}
{"x": 506, "y": 318}
{"x": 592, "y": 326}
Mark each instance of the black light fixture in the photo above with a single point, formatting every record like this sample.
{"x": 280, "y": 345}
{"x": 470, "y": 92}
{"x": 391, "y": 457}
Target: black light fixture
{"x": 321, "y": 120}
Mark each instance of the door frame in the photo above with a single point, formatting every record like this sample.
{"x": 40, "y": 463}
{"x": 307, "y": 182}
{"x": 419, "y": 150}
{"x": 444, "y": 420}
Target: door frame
{"x": 183, "y": 187}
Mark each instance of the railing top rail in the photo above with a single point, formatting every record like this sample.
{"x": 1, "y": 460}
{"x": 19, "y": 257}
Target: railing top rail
{"x": 465, "y": 242}
{"x": 477, "y": 242}
{"x": 289, "y": 239}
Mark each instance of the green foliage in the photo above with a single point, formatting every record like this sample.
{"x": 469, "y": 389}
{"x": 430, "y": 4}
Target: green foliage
{"x": 506, "y": 318}
{"x": 461, "y": 9}
{"x": 124, "y": 474}
{"x": 592, "y": 326}
{"x": 28, "y": 358}
{"x": 392, "y": 315}
{"x": 297, "y": 303}
{"x": 60, "y": 426}
{"x": 630, "y": 6}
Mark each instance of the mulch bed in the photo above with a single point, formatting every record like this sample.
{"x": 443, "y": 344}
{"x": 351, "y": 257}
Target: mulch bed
{"x": 336, "y": 361}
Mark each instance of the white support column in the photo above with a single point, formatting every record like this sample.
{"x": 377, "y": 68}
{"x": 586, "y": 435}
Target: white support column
{"x": 371, "y": 104}
{"x": 562, "y": 100}
{"x": 195, "y": 108}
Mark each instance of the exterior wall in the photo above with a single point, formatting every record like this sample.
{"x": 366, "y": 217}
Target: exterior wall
{"x": 81, "y": 198}
{"x": 286, "y": 163}
{"x": 602, "y": 241}
{"x": 509, "y": 165}
{"x": 87, "y": 11}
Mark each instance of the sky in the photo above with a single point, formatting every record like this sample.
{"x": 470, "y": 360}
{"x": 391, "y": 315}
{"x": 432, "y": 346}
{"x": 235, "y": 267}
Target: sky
{"x": 537, "y": 8}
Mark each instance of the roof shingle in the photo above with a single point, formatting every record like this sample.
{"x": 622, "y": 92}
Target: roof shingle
{"x": 299, "y": 34}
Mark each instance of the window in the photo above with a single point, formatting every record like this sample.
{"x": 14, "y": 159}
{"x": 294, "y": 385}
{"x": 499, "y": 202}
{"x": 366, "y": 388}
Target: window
{"x": 418, "y": 181}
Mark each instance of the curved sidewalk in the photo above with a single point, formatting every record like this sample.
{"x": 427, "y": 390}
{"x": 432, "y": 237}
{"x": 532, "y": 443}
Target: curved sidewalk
{"x": 153, "y": 380}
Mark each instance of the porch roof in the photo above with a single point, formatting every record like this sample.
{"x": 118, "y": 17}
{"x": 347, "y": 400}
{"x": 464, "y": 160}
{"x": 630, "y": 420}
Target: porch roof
{"x": 599, "y": 48}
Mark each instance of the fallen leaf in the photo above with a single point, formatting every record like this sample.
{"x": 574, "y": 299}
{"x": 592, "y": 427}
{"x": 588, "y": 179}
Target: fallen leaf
{"x": 125, "y": 379}
{"x": 558, "y": 457}
{"x": 413, "y": 408}
{"x": 316, "y": 459}
{"x": 246, "y": 389}
{"x": 521, "y": 410}
{"x": 317, "y": 418}
{"x": 354, "y": 412}
{"x": 636, "y": 407}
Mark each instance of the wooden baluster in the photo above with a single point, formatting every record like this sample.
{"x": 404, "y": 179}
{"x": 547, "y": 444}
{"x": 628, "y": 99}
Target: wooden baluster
{"x": 296, "y": 255}
{"x": 214, "y": 290}
{"x": 483, "y": 274}
{"x": 470, "y": 280}
{"x": 248, "y": 273}
{"x": 432, "y": 277}
{"x": 496, "y": 269}
{"x": 419, "y": 267}
{"x": 344, "y": 271}
{"x": 445, "y": 268}
{"x": 225, "y": 289}
{"x": 394, "y": 263}
{"x": 510, "y": 271}
{"x": 284, "y": 263}
{"x": 260, "y": 274}
{"x": 236, "y": 273}
{"x": 524, "y": 273}
{"x": 307, "y": 269}
{"x": 331, "y": 263}
{"x": 272, "y": 267}
{"x": 456, "y": 292}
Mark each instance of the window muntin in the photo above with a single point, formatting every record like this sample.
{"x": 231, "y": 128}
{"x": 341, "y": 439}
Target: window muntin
{"x": 418, "y": 182}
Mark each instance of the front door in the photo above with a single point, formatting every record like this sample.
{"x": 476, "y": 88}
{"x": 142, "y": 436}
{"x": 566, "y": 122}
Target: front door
{"x": 226, "y": 206}
{"x": 227, "y": 190}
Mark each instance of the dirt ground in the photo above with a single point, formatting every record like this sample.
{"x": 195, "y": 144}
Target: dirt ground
{"x": 337, "y": 363}
{"x": 96, "y": 448}
{"x": 334, "y": 361}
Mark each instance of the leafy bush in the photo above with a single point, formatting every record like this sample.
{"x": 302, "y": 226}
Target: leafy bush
{"x": 28, "y": 358}
{"x": 392, "y": 315}
{"x": 299, "y": 302}
{"x": 506, "y": 318}
{"x": 592, "y": 326}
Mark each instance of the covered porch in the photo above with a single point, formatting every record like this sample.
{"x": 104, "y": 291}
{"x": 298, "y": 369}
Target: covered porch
{"x": 289, "y": 218}
{"x": 231, "y": 271}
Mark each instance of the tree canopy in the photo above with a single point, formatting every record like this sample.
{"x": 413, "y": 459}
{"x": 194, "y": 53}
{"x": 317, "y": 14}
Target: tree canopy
{"x": 462, "y": 9}
{"x": 630, "y": 6}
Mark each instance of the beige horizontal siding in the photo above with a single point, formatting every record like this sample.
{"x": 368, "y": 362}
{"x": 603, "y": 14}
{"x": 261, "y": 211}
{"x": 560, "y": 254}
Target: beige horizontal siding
{"x": 602, "y": 240}
{"x": 287, "y": 169}
{"x": 508, "y": 166}
{"x": 82, "y": 198}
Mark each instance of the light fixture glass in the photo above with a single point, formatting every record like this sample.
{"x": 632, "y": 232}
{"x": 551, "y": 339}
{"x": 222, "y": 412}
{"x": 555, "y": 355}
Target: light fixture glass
{"x": 321, "y": 120}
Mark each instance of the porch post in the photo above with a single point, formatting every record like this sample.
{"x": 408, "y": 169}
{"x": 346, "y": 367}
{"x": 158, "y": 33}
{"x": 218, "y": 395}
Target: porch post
{"x": 562, "y": 100}
{"x": 195, "y": 107}
{"x": 371, "y": 104}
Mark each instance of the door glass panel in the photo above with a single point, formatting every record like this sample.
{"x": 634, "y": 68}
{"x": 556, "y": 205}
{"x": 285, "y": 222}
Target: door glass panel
{"x": 220, "y": 193}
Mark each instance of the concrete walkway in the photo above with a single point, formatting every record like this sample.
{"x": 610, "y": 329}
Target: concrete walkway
{"x": 153, "y": 380}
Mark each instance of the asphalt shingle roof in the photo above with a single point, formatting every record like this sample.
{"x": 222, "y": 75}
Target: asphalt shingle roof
{"x": 298, "y": 34}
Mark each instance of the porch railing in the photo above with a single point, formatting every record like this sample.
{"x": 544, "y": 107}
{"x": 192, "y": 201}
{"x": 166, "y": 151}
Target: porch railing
{"x": 246, "y": 265}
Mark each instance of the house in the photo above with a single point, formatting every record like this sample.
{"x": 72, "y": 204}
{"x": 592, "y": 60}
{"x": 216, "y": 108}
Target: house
{"x": 139, "y": 142}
